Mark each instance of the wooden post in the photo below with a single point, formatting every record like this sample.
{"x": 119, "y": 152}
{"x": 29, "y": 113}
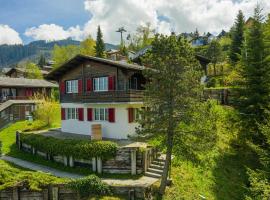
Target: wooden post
{"x": 71, "y": 161}
{"x": 18, "y": 139}
{"x": 99, "y": 165}
{"x": 133, "y": 162}
{"x": 94, "y": 164}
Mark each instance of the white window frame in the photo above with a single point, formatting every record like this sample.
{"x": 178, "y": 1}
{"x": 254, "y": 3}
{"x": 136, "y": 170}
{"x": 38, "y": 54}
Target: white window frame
{"x": 72, "y": 113}
{"x": 101, "y": 114}
{"x": 101, "y": 84}
{"x": 72, "y": 86}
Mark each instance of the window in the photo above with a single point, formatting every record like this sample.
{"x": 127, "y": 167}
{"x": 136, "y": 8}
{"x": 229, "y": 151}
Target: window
{"x": 72, "y": 86}
{"x": 101, "y": 84}
{"x": 101, "y": 114}
{"x": 71, "y": 113}
{"x": 133, "y": 83}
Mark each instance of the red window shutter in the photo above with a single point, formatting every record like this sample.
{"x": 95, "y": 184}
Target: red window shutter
{"x": 130, "y": 115}
{"x": 111, "y": 83}
{"x": 89, "y": 85}
{"x": 80, "y": 113}
{"x": 62, "y": 87}
{"x": 89, "y": 114}
{"x": 63, "y": 114}
{"x": 80, "y": 86}
{"x": 111, "y": 114}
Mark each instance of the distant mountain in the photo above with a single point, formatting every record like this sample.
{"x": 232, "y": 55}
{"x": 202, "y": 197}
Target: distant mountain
{"x": 12, "y": 54}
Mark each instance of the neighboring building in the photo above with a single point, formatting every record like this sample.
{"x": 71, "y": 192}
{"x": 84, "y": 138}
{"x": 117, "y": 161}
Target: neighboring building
{"x": 21, "y": 72}
{"x": 103, "y": 92}
{"x": 16, "y": 94}
{"x": 22, "y": 88}
{"x": 116, "y": 55}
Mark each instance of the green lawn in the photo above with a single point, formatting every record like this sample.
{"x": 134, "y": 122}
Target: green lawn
{"x": 8, "y": 138}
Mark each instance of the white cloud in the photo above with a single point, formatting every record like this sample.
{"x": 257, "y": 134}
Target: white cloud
{"x": 165, "y": 16}
{"x": 9, "y": 35}
{"x": 181, "y": 16}
{"x": 51, "y": 32}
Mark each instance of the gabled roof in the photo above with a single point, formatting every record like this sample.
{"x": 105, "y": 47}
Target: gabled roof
{"x": 55, "y": 74}
{"x": 23, "y": 70}
{"x": 24, "y": 82}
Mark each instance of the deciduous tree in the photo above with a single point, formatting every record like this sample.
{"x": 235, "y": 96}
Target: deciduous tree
{"x": 32, "y": 71}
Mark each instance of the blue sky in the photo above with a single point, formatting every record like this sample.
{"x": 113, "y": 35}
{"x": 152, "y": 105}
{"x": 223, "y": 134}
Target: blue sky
{"x": 22, "y": 14}
{"x": 22, "y": 21}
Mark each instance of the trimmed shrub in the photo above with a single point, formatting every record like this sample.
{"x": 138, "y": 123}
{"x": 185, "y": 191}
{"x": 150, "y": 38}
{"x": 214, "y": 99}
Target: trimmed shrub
{"x": 90, "y": 185}
{"x": 82, "y": 149}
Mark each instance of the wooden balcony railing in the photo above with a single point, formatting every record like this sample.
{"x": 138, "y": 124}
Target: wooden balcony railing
{"x": 103, "y": 97}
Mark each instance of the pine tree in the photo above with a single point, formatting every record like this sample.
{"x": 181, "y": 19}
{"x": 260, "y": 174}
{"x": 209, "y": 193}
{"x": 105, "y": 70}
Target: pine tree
{"x": 214, "y": 52}
{"x": 260, "y": 178}
{"x": 100, "y": 46}
{"x": 173, "y": 84}
{"x": 237, "y": 37}
{"x": 42, "y": 61}
{"x": 256, "y": 89}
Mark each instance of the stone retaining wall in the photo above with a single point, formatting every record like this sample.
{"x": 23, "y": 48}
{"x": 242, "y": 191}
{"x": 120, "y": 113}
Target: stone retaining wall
{"x": 60, "y": 192}
{"x": 127, "y": 159}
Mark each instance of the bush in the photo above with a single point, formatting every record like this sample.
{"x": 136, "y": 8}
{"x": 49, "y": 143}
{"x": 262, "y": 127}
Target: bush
{"x": 48, "y": 110}
{"x": 82, "y": 149}
{"x": 90, "y": 185}
{"x": 11, "y": 176}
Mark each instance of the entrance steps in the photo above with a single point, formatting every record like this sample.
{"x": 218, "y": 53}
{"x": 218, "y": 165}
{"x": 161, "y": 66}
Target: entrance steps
{"x": 156, "y": 168}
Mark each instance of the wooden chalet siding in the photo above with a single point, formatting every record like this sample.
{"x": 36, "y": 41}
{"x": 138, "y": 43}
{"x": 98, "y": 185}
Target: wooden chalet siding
{"x": 90, "y": 70}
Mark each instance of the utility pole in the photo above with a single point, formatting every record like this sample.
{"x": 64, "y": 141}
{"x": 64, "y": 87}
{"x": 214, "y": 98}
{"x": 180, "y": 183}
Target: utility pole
{"x": 121, "y": 30}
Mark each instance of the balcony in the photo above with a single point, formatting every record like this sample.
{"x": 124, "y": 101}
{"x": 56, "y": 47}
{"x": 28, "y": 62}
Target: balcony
{"x": 104, "y": 97}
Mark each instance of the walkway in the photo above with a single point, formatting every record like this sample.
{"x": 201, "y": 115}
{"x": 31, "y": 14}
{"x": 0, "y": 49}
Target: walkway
{"x": 141, "y": 182}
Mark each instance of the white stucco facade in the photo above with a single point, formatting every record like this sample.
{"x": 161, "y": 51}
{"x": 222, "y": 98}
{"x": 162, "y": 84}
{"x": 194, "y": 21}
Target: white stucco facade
{"x": 120, "y": 129}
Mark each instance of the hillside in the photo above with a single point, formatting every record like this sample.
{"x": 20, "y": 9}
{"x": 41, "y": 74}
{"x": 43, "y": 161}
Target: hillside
{"x": 12, "y": 54}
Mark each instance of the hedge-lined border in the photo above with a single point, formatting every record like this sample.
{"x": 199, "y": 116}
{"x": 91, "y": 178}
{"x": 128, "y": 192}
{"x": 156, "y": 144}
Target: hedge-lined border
{"x": 81, "y": 149}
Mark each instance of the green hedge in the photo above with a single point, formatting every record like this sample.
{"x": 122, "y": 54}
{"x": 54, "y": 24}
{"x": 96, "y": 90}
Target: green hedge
{"x": 90, "y": 185}
{"x": 82, "y": 149}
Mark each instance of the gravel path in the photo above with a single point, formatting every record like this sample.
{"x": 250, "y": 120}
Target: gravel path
{"x": 141, "y": 182}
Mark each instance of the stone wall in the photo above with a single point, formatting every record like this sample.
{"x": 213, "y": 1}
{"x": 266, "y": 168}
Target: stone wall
{"x": 60, "y": 192}
{"x": 122, "y": 163}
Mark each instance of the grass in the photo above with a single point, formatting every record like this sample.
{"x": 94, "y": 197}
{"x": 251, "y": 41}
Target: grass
{"x": 8, "y": 138}
{"x": 223, "y": 175}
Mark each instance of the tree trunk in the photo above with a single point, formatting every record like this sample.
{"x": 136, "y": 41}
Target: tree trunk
{"x": 167, "y": 161}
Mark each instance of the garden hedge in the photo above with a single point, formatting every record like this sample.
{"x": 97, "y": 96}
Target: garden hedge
{"x": 81, "y": 149}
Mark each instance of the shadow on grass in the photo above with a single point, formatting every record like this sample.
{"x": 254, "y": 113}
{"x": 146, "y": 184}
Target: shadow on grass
{"x": 231, "y": 179}
{"x": 16, "y": 153}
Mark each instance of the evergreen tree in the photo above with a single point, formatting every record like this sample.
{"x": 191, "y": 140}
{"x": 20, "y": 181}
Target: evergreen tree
{"x": 260, "y": 178}
{"x": 172, "y": 87}
{"x": 256, "y": 91}
{"x": 100, "y": 46}
{"x": 42, "y": 61}
{"x": 214, "y": 52}
{"x": 237, "y": 37}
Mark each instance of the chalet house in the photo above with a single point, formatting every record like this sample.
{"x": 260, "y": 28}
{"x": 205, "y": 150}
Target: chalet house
{"x": 96, "y": 92}
{"x": 15, "y": 97}
{"x": 22, "y": 88}
{"x": 21, "y": 72}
